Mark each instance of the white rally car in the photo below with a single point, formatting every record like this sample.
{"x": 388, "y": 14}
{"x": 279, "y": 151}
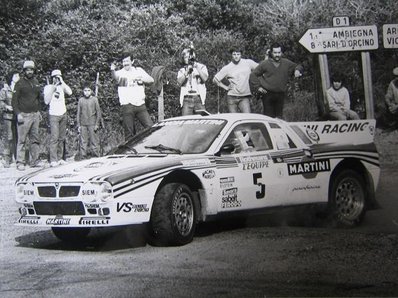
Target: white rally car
{"x": 190, "y": 169}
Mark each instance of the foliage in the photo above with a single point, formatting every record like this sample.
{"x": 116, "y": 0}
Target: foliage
{"x": 82, "y": 38}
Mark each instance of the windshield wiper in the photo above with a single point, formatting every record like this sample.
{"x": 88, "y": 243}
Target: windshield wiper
{"x": 162, "y": 148}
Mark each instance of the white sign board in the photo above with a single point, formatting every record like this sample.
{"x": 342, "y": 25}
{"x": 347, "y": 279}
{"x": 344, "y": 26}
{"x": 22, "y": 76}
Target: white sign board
{"x": 341, "y": 21}
{"x": 390, "y": 36}
{"x": 340, "y": 39}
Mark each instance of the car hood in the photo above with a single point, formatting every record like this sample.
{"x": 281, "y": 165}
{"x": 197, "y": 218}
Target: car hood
{"x": 103, "y": 168}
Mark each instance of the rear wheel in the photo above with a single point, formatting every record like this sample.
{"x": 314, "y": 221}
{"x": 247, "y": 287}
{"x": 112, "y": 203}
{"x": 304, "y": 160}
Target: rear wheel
{"x": 74, "y": 235}
{"x": 347, "y": 198}
{"x": 173, "y": 217}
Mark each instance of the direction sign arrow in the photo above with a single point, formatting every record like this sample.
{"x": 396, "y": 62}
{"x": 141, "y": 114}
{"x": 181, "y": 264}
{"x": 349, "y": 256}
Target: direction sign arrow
{"x": 340, "y": 39}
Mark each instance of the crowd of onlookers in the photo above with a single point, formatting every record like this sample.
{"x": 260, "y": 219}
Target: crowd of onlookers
{"x": 242, "y": 79}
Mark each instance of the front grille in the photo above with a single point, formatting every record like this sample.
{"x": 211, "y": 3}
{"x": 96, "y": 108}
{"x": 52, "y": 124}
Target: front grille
{"x": 59, "y": 208}
{"x": 69, "y": 191}
{"x": 47, "y": 191}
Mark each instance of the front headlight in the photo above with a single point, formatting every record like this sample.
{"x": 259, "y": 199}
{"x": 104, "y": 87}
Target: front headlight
{"x": 96, "y": 192}
{"x": 25, "y": 193}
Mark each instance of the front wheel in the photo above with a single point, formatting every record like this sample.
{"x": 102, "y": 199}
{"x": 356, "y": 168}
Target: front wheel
{"x": 74, "y": 235}
{"x": 347, "y": 199}
{"x": 173, "y": 216}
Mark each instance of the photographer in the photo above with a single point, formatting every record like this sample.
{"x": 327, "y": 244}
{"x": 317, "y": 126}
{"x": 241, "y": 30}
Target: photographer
{"x": 192, "y": 77}
{"x": 54, "y": 96}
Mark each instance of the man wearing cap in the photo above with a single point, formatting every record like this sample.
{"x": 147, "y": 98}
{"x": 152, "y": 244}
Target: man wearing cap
{"x": 131, "y": 90}
{"x": 54, "y": 96}
{"x": 391, "y": 99}
{"x": 26, "y": 105}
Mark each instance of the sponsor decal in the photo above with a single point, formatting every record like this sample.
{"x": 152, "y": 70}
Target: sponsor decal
{"x": 31, "y": 220}
{"x": 94, "y": 221}
{"x": 230, "y": 198}
{"x": 312, "y": 134}
{"x": 254, "y": 162}
{"x": 61, "y": 176}
{"x": 306, "y": 188}
{"x": 209, "y": 174}
{"x": 185, "y": 122}
{"x": 351, "y": 126}
{"x": 130, "y": 207}
{"x": 300, "y": 168}
{"x": 196, "y": 163}
{"x": 227, "y": 182}
{"x": 91, "y": 206}
{"x": 26, "y": 205}
{"x": 58, "y": 221}
{"x": 28, "y": 192}
{"x": 88, "y": 192}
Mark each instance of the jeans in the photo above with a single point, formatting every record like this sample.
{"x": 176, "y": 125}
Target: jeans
{"x": 129, "y": 113}
{"x": 273, "y": 103}
{"x": 190, "y": 104}
{"x": 57, "y": 136}
{"x": 347, "y": 115}
{"x": 28, "y": 128}
{"x": 238, "y": 102}
{"x": 89, "y": 139}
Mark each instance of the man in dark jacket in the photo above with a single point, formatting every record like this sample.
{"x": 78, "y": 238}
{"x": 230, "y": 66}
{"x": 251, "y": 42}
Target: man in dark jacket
{"x": 26, "y": 105}
{"x": 269, "y": 79}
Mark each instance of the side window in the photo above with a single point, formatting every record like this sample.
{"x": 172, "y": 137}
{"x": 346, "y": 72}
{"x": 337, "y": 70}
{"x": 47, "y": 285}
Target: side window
{"x": 283, "y": 141}
{"x": 249, "y": 137}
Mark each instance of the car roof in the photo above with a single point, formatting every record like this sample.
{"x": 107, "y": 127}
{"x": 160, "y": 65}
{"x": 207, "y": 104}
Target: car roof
{"x": 230, "y": 117}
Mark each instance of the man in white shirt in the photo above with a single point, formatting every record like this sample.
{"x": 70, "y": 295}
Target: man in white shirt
{"x": 237, "y": 72}
{"x": 54, "y": 96}
{"x": 131, "y": 90}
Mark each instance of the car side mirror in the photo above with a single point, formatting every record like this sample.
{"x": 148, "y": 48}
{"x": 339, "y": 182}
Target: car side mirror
{"x": 226, "y": 149}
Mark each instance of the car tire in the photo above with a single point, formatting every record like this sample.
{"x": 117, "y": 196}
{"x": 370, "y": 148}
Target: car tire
{"x": 173, "y": 216}
{"x": 74, "y": 235}
{"x": 347, "y": 199}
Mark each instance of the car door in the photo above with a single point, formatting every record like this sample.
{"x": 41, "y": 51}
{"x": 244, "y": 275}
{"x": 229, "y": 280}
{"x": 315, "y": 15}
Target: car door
{"x": 253, "y": 181}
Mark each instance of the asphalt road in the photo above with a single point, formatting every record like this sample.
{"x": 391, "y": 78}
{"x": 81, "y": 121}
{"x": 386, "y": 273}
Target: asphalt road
{"x": 269, "y": 257}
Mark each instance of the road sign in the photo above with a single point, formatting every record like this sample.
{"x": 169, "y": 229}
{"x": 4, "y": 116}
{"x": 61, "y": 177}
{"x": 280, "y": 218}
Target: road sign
{"x": 340, "y": 39}
{"x": 390, "y": 36}
{"x": 341, "y": 21}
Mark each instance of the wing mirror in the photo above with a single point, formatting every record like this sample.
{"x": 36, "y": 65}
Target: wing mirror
{"x": 226, "y": 149}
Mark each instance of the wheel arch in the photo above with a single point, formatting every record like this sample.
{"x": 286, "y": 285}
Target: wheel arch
{"x": 189, "y": 179}
{"x": 357, "y": 166}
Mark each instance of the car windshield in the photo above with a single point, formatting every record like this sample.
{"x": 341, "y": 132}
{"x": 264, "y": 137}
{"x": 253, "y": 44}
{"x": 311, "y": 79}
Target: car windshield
{"x": 191, "y": 136}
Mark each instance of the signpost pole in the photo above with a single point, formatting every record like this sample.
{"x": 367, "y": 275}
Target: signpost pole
{"x": 367, "y": 85}
{"x": 325, "y": 79}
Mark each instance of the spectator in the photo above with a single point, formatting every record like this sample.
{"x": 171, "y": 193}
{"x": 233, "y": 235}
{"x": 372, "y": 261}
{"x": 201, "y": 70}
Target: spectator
{"x": 88, "y": 121}
{"x": 237, "y": 72}
{"x": 9, "y": 119}
{"x": 270, "y": 80}
{"x": 26, "y": 105}
{"x": 391, "y": 100}
{"x": 339, "y": 101}
{"x": 54, "y": 96}
{"x": 191, "y": 78}
{"x": 131, "y": 90}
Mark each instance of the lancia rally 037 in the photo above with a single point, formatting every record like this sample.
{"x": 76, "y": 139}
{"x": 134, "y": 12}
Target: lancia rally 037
{"x": 192, "y": 169}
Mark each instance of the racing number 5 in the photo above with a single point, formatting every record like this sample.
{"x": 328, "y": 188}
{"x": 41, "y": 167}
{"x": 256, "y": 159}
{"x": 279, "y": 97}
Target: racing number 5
{"x": 259, "y": 194}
